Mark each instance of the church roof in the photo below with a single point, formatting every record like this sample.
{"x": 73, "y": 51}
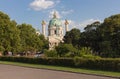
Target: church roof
{"x": 55, "y": 21}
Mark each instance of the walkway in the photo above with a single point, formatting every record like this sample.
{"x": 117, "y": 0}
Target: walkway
{"x": 15, "y": 72}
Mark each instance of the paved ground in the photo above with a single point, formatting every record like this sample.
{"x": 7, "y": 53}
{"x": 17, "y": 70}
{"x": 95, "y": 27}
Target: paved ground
{"x": 15, "y": 72}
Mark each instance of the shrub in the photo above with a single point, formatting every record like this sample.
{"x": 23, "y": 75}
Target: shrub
{"x": 98, "y": 63}
{"x": 50, "y": 53}
{"x": 85, "y": 51}
{"x": 90, "y": 56}
{"x": 65, "y": 50}
{"x": 109, "y": 64}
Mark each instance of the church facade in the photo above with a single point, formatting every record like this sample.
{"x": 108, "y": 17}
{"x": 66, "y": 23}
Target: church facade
{"x": 55, "y": 31}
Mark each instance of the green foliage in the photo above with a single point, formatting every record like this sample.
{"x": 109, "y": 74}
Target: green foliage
{"x": 30, "y": 41}
{"x": 110, "y": 64}
{"x": 110, "y": 31}
{"x": 103, "y": 38}
{"x": 72, "y": 37}
{"x": 91, "y": 37}
{"x": 98, "y": 63}
{"x": 9, "y": 34}
{"x": 65, "y": 49}
{"x": 85, "y": 51}
{"x": 1, "y": 48}
{"x": 45, "y": 41}
{"x": 19, "y": 38}
{"x": 90, "y": 56}
{"x": 50, "y": 53}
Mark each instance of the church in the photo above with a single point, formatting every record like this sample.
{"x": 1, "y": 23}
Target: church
{"x": 55, "y": 31}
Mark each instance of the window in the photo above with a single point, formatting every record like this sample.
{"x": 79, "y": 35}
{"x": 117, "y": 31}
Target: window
{"x": 55, "y": 32}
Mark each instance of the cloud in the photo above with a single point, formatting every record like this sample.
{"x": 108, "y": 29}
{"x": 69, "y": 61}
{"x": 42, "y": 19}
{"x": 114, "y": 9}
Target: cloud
{"x": 60, "y": 14}
{"x": 80, "y": 25}
{"x": 39, "y": 5}
{"x": 67, "y": 12}
{"x": 72, "y": 24}
{"x": 57, "y": 1}
{"x": 83, "y": 24}
{"x": 52, "y": 12}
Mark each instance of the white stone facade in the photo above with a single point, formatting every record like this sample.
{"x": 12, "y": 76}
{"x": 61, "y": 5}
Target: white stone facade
{"x": 55, "y": 31}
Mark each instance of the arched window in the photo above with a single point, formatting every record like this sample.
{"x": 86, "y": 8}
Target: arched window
{"x": 55, "y": 32}
{"x": 55, "y": 44}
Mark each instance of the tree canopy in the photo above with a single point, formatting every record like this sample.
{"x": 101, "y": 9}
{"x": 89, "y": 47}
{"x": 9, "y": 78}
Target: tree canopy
{"x": 9, "y": 34}
{"x": 19, "y": 38}
{"x": 102, "y": 38}
{"x": 72, "y": 37}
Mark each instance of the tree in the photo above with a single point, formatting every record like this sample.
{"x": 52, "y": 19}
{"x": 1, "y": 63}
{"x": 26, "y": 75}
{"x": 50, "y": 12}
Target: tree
{"x": 9, "y": 34}
{"x": 45, "y": 41}
{"x": 19, "y": 38}
{"x": 29, "y": 39}
{"x": 91, "y": 37}
{"x": 63, "y": 49}
{"x": 92, "y": 26}
{"x": 110, "y": 32}
{"x": 50, "y": 53}
{"x": 72, "y": 37}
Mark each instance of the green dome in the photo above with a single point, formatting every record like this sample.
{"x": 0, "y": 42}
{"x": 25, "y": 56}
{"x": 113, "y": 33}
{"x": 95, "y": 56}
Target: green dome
{"x": 55, "y": 22}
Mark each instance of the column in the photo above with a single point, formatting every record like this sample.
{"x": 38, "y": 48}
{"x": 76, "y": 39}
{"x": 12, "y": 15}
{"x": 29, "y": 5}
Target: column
{"x": 66, "y": 25}
{"x": 43, "y": 27}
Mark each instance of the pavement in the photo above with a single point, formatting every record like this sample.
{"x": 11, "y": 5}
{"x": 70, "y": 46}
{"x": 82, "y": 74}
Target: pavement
{"x": 16, "y": 72}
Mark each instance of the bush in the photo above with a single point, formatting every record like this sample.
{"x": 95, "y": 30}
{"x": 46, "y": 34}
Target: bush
{"x": 85, "y": 51}
{"x": 64, "y": 50}
{"x": 109, "y": 64}
{"x": 50, "y": 53}
{"x": 90, "y": 56}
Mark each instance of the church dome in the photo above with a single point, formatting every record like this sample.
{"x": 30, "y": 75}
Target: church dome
{"x": 55, "y": 22}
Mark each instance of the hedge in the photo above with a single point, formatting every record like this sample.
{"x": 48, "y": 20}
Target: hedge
{"x": 109, "y": 64}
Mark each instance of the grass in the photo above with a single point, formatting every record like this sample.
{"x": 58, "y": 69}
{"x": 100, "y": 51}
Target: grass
{"x": 77, "y": 70}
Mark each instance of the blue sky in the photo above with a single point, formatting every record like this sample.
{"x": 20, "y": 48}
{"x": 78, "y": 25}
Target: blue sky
{"x": 78, "y": 12}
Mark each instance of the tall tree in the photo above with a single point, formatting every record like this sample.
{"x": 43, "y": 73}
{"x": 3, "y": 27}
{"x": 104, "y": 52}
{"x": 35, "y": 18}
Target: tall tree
{"x": 110, "y": 31}
{"x": 29, "y": 39}
{"x": 9, "y": 34}
{"x": 72, "y": 37}
{"x": 91, "y": 36}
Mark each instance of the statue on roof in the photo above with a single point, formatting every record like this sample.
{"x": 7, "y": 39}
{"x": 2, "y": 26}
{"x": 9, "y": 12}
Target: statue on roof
{"x": 66, "y": 22}
{"x": 54, "y": 14}
{"x": 43, "y": 22}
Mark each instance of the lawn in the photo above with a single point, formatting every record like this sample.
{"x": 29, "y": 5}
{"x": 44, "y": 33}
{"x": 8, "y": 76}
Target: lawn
{"x": 76, "y": 70}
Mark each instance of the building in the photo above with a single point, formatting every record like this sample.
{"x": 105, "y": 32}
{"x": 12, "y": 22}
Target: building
{"x": 55, "y": 31}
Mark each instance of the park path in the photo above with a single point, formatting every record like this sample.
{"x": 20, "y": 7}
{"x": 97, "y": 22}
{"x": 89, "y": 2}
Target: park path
{"x": 16, "y": 72}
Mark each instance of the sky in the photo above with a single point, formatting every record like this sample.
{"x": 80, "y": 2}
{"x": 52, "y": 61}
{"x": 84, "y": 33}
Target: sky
{"x": 79, "y": 13}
